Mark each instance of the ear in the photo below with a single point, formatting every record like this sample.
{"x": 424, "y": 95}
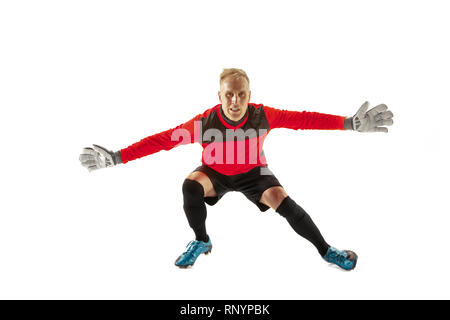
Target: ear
{"x": 249, "y": 95}
{"x": 220, "y": 97}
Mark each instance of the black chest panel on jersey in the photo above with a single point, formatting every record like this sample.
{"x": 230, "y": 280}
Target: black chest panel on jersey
{"x": 255, "y": 125}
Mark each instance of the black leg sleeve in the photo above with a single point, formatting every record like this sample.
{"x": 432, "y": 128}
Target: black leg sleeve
{"x": 302, "y": 223}
{"x": 195, "y": 208}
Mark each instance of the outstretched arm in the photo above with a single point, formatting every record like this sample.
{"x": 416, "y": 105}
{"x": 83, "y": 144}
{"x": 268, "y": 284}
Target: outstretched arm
{"x": 362, "y": 121}
{"x": 99, "y": 157}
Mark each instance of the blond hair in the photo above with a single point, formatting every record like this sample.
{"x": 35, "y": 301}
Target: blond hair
{"x": 233, "y": 72}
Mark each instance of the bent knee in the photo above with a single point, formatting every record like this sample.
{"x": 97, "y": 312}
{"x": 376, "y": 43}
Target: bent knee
{"x": 192, "y": 189}
{"x": 273, "y": 197}
{"x": 203, "y": 179}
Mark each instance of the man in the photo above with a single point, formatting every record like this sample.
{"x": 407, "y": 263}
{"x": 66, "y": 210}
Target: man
{"x": 232, "y": 134}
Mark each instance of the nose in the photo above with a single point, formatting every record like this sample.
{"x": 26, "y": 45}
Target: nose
{"x": 234, "y": 99}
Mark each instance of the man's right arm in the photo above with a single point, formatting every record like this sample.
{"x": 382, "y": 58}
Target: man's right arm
{"x": 99, "y": 157}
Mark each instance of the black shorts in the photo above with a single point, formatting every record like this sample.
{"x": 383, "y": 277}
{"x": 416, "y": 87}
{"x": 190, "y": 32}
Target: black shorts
{"x": 252, "y": 184}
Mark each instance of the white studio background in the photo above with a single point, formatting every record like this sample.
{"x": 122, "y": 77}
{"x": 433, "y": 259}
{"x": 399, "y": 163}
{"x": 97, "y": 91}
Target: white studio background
{"x": 74, "y": 73}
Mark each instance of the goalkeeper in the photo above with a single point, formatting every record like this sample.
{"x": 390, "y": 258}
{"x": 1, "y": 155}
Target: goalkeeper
{"x": 232, "y": 134}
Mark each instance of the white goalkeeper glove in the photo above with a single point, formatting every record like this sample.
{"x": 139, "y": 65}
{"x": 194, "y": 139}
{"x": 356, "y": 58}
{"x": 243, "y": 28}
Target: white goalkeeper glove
{"x": 372, "y": 120}
{"x": 98, "y": 157}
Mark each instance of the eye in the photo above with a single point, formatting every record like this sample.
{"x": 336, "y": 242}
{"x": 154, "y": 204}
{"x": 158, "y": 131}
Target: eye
{"x": 242, "y": 94}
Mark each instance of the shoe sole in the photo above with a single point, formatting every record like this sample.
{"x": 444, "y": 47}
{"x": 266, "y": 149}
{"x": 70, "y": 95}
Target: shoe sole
{"x": 190, "y": 265}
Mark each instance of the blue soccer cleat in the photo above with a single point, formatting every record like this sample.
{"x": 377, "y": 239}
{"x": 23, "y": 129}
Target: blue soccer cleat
{"x": 345, "y": 259}
{"x": 194, "y": 249}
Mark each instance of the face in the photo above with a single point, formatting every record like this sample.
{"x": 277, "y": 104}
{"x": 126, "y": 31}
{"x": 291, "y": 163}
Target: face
{"x": 234, "y": 95}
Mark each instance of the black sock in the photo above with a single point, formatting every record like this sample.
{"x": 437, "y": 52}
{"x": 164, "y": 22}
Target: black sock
{"x": 302, "y": 223}
{"x": 195, "y": 208}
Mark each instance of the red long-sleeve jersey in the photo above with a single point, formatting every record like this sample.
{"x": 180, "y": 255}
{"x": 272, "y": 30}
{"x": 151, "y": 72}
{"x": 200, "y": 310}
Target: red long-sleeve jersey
{"x": 232, "y": 149}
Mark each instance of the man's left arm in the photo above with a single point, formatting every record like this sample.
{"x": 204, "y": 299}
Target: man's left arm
{"x": 362, "y": 121}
